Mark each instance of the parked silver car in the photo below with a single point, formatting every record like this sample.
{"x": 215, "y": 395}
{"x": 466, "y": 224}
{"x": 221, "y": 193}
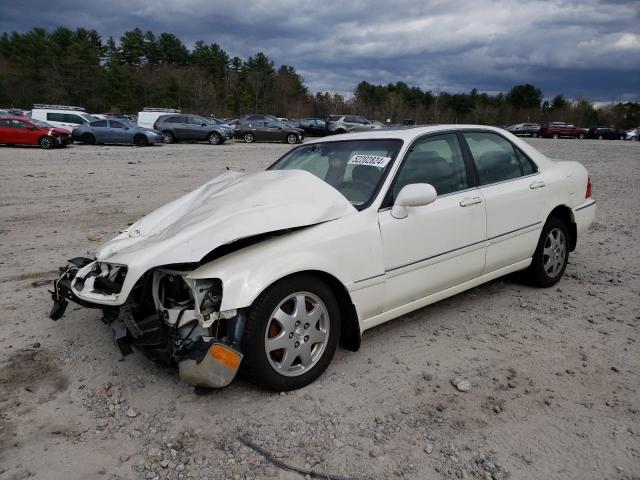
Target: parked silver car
{"x": 115, "y": 131}
{"x": 348, "y": 123}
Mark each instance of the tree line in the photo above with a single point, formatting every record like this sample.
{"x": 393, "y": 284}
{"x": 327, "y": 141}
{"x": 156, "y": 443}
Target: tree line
{"x": 144, "y": 69}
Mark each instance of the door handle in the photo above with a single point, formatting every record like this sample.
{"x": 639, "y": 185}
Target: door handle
{"x": 537, "y": 184}
{"x": 470, "y": 201}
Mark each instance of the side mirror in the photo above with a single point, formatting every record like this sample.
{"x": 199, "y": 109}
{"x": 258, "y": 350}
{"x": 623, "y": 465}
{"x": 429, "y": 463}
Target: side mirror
{"x": 413, "y": 195}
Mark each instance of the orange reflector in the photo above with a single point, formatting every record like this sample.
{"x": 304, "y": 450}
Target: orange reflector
{"x": 225, "y": 356}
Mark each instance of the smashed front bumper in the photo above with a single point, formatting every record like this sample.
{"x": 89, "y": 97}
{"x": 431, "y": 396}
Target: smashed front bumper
{"x": 170, "y": 318}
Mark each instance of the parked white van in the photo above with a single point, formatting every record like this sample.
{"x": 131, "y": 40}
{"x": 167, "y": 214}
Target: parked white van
{"x": 148, "y": 116}
{"x": 62, "y": 116}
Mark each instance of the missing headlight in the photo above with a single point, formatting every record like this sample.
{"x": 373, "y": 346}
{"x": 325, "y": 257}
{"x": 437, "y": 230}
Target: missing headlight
{"x": 211, "y": 297}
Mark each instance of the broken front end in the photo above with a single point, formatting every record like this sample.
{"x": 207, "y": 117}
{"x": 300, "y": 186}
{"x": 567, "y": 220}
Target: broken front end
{"x": 168, "y": 316}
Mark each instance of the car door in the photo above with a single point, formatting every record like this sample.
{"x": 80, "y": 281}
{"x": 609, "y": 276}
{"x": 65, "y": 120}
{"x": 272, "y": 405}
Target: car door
{"x": 100, "y": 130}
{"x": 513, "y": 191}
{"x": 119, "y": 132}
{"x": 180, "y": 127}
{"x": 440, "y": 245}
{"x": 273, "y": 131}
{"x": 6, "y": 133}
{"x": 20, "y": 133}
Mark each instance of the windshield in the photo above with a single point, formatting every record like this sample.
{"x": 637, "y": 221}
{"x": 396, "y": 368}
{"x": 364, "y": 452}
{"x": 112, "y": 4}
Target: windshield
{"x": 355, "y": 168}
{"x": 41, "y": 124}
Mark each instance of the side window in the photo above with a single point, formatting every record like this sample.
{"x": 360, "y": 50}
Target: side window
{"x": 436, "y": 160}
{"x": 56, "y": 117}
{"x": 71, "y": 118}
{"x": 271, "y": 124}
{"x": 496, "y": 158}
{"x": 99, "y": 124}
{"x": 17, "y": 124}
{"x": 114, "y": 124}
{"x": 4, "y": 123}
{"x": 350, "y": 119}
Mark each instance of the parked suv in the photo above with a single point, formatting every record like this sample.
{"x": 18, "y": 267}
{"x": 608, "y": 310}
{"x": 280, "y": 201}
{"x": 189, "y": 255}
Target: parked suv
{"x": 561, "y": 129}
{"x": 606, "y": 133}
{"x": 348, "y": 123}
{"x": 179, "y": 128}
{"x": 61, "y": 116}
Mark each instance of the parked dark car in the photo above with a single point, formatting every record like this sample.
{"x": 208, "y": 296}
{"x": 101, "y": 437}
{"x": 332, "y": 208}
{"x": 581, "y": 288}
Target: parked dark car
{"x": 524, "y": 129}
{"x": 180, "y": 128}
{"x": 115, "y": 131}
{"x": 607, "y": 133}
{"x": 268, "y": 131}
{"x": 312, "y": 126}
{"x": 561, "y": 129}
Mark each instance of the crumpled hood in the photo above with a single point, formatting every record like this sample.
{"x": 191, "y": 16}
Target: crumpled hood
{"x": 232, "y": 206}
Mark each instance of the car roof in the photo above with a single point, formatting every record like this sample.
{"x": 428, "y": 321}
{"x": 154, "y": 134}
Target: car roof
{"x": 405, "y": 133}
{"x": 14, "y": 117}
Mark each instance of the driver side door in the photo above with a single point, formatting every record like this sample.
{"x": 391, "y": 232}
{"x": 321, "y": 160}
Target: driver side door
{"x": 439, "y": 245}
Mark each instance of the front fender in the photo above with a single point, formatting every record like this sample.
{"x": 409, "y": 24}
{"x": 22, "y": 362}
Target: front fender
{"x": 346, "y": 252}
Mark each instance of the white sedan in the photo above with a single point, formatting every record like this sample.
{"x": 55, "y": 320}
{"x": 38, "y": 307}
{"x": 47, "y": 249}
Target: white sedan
{"x": 268, "y": 272}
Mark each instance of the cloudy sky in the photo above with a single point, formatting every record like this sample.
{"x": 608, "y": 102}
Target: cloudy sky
{"x": 584, "y": 48}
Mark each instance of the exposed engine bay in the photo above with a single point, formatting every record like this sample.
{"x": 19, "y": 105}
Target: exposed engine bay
{"x": 170, "y": 318}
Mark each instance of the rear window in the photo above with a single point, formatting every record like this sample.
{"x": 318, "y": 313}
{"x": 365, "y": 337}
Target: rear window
{"x": 334, "y": 118}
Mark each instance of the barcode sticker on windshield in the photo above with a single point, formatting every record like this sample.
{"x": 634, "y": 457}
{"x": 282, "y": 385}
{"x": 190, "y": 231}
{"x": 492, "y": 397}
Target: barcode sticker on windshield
{"x": 369, "y": 160}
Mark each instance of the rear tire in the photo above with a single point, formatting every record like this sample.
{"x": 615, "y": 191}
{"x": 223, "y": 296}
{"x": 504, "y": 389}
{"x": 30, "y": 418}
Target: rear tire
{"x": 555, "y": 135}
{"x": 300, "y": 313}
{"x": 46, "y": 143}
{"x": 88, "y": 139}
{"x": 140, "y": 141}
{"x": 581, "y": 136}
{"x": 214, "y": 138}
{"x": 168, "y": 137}
{"x": 600, "y": 137}
{"x": 552, "y": 254}
{"x": 249, "y": 138}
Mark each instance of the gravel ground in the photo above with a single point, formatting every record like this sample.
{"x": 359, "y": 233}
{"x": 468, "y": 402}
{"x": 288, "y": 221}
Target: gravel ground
{"x": 553, "y": 374}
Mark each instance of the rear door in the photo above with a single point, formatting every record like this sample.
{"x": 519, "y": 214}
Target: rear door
{"x": 180, "y": 126}
{"x": 21, "y": 133}
{"x": 512, "y": 189}
{"x": 6, "y": 137}
{"x": 101, "y": 131}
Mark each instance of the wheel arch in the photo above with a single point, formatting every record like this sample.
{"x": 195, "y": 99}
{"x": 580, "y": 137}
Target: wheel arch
{"x": 350, "y": 326}
{"x": 565, "y": 214}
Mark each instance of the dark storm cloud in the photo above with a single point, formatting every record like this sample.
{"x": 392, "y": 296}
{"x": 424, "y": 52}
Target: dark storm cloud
{"x": 589, "y": 48}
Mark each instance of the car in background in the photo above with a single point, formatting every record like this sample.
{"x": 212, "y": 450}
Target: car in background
{"x": 348, "y": 123}
{"x": 268, "y": 131}
{"x": 191, "y": 128}
{"x": 30, "y": 131}
{"x": 61, "y": 116}
{"x": 562, "y": 130}
{"x": 222, "y": 123}
{"x": 311, "y": 126}
{"x": 524, "y": 129}
{"x": 148, "y": 116}
{"x": 265, "y": 118}
{"x": 633, "y": 134}
{"x": 607, "y": 133}
{"x": 109, "y": 130}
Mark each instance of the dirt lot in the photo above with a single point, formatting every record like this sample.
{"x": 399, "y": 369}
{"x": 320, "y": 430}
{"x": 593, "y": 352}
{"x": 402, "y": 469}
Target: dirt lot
{"x": 554, "y": 373}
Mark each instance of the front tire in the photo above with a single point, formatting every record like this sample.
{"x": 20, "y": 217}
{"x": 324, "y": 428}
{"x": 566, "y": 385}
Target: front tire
{"x": 291, "y": 139}
{"x": 214, "y": 138}
{"x": 46, "y": 143}
{"x": 291, "y": 333}
{"x": 552, "y": 254}
{"x": 140, "y": 141}
{"x": 249, "y": 138}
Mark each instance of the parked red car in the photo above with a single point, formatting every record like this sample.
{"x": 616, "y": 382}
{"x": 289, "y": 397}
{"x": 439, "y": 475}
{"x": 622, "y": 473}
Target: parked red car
{"x": 28, "y": 131}
{"x": 561, "y": 129}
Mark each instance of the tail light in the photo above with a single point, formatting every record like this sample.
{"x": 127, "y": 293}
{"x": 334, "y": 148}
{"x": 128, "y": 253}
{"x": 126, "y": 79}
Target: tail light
{"x": 588, "y": 192}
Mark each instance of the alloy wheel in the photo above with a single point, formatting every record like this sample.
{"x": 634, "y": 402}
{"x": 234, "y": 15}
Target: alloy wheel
{"x": 297, "y": 334}
{"x": 554, "y": 252}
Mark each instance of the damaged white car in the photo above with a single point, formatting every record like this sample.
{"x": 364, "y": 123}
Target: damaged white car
{"x": 268, "y": 272}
